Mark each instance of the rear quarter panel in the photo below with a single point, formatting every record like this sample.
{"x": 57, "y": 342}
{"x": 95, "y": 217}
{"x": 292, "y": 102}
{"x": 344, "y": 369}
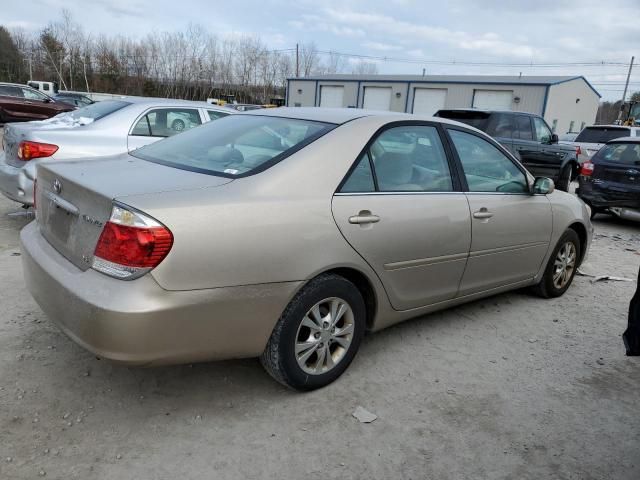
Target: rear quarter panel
{"x": 275, "y": 226}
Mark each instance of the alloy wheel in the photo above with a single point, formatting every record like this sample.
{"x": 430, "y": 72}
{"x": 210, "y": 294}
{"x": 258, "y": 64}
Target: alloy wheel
{"x": 324, "y": 336}
{"x": 564, "y": 265}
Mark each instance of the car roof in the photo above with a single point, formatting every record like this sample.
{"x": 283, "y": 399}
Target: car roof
{"x": 611, "y": 126}
{"x": 484, "y": 110}
{"x": 321, "y": 114}
{"x": 16, "y": 85}
{"x": 166, "y": 101}
{"x": 625, "y": 140}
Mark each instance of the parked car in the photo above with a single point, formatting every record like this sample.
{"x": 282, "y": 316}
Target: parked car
{"x": 528, "y": 138}
{"x": 227, "y": 242}
{"x": 610, "y": 181}
{"x": 591, "y": 139}
{"x": 97, "y": 130}
{"x": 75, "y": 99}
{"x": 19, "y": 103}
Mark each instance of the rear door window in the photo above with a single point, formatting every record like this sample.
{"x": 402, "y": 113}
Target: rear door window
{"x": 602, "y": 134}
{"x": 166, "y": 122}
{"x": 10, "y": 91}
{"x": 405, "y": 159}
{"x": 501, "y": 125}
{"x": 523, "y": 128}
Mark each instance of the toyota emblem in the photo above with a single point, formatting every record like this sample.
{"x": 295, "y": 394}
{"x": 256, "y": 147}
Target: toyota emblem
{"x": 57, "y": 186}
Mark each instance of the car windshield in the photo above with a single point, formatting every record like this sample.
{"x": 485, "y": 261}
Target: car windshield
{"x": 477, "y": 120}
{"x": 601, "y": 134}
{"x": 98, "y": 110}
{"x": 623, "y": 153}
{"x": 235, "y": 145}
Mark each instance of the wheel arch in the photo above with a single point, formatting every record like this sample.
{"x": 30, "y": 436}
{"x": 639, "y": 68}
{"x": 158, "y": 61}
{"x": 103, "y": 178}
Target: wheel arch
{"x": 581, "y": 230}
{"x": 363, "y": 284}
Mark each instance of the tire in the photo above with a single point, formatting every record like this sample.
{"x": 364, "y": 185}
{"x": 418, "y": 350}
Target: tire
{"x": 550, "y": 287}
{"x": 564, "y": 180}
{"x": 178, "y": 125}
{"x": 293, "y": 334}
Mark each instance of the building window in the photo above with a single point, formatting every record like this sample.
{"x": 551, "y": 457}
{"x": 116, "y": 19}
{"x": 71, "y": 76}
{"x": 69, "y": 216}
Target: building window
{"x": 571, "y": 124}
{"x": 297, "y": 104}
{"x": 554, "y": 125}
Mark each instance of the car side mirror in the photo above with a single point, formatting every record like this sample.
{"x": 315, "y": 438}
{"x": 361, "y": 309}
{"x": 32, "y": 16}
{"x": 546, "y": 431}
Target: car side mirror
{"x": 47, "y": 100}
{"x": 543, "y": 186}
{"x": 554, "y": 138}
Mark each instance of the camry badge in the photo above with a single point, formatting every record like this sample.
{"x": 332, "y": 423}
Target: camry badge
{"x": 57, "y": 186}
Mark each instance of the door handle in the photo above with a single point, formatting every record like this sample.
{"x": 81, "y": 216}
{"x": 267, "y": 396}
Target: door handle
{"x": 482, "y": 213}
{"x": 364, "y": 217}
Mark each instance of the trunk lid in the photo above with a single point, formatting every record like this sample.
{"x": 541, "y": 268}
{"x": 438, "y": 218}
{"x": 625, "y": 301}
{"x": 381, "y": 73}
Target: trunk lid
{"x": 74, "y": 199}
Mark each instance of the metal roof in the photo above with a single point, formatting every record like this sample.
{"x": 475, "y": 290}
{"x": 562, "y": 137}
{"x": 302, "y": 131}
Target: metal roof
{"x": 541, "y": 80}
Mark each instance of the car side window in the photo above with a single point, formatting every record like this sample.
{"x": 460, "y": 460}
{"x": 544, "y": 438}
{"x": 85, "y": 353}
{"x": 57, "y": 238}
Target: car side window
{"x": 361, "y": 178}
{"x": 501, "y": 126}
{"x": 10, "y": 91}
{"x": 523, "y": 124}
{"x": 214, "y": 114}
{"x": 30, "y": 94}
{"x": 543, "y": 133}
{"x": 406, "y": 159}
{"x": 486, "y": 168}
{"x": 166, "y": 122}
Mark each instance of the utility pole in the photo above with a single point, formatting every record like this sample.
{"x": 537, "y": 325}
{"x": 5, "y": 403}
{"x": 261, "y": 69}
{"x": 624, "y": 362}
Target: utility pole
{"x": 297, "y": 61}
{"x": 626, "y": 86}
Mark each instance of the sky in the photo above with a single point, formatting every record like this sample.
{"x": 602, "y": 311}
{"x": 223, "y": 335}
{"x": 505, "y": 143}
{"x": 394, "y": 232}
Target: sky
{"x": 411, "y": 35}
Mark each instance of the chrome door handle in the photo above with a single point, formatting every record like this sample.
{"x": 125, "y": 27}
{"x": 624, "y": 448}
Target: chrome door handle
{"x": 482, "y": 213}
{"x": 364, "y": 217}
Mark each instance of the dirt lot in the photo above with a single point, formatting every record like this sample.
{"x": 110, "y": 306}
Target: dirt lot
{"x": 508, "y": 387}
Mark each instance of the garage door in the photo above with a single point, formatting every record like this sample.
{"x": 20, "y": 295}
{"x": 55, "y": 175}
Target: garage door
{"x": 377, "y": 98}
{"x": 493, "y": 99}
{"x": 331, "y": 96}
{"x": 428, "y": 101}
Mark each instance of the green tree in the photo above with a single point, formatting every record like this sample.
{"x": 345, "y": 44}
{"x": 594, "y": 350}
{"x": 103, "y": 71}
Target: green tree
{"x": 11, "y": 61}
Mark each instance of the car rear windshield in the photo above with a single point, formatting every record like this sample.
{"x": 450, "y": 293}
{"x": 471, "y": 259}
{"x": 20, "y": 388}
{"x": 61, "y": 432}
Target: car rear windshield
{"x": 236, "y": 145}
{"x": 478, "y": 120}
{"x": 623, "y": 153}
{"x": 601, "y": 134}
{"x": 98, "y": 110}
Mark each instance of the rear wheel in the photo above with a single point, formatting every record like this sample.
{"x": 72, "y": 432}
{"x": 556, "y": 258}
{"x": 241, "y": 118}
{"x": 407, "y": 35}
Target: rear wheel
{"x": 317, "y": 335}
{"x": 562, "y": 266}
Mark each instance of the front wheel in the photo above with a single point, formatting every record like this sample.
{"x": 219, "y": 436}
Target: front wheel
{"x": 317, "y": 335}
{"x": 178, "y": 125}
{"x": 564, "y": 180}
{"x": 562, "y": 266}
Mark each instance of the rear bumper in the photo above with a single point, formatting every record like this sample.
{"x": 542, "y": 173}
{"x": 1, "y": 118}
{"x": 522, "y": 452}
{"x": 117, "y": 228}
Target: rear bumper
{"x": 603, "y": 197}
{"x": 16, "y": 183}
{"x": 137, "y": 322}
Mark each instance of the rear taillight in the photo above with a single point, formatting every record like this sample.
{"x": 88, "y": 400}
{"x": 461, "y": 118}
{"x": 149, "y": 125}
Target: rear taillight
{"x": 29, "y": 150}
{"x": 586, "y": 169}
{"x": 131, "y": 244}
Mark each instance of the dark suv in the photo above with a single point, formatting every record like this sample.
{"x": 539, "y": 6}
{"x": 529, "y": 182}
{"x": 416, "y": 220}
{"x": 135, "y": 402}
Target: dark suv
{"x": 528, "y": 138}
{"x": 23, "y": 103}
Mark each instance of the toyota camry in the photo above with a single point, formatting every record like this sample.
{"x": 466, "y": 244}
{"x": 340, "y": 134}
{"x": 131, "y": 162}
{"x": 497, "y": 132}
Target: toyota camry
{"x": 286, "y": 234}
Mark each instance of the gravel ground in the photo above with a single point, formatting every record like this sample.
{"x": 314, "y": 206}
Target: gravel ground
{"x": 511, "y": 387}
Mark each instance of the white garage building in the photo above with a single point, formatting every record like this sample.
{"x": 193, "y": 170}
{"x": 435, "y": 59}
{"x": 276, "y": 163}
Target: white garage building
{"x": 567, "y": 103}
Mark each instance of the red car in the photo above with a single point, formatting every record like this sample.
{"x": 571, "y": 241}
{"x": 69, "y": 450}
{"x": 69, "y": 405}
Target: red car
{"x": 22, "y": 103}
